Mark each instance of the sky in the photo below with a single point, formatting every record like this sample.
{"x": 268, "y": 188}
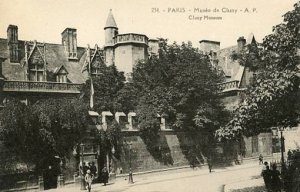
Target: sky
{"x": 176, "y": 20}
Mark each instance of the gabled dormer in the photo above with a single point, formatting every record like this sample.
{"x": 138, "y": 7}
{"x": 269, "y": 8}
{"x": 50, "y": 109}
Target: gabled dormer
{"x": 35, "y": 61}
{"x": 61, "y": 74}
{"x": 94, "y": 60}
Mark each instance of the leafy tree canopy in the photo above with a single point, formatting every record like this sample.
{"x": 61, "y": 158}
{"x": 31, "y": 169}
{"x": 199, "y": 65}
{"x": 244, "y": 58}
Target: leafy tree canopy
{"x": 106, "y": 85}
{"x": 181, "y": 85}
{"x": 48, "y": 128}
{"x": 273, "y": 98}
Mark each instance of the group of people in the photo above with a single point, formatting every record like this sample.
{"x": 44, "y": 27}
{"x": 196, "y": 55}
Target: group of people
{"x": 271, "y": 177}
{"x": 89, "y": 172}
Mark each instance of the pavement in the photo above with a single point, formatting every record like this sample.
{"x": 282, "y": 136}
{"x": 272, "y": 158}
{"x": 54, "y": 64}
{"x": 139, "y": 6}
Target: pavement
{"x": 188, "y": 179}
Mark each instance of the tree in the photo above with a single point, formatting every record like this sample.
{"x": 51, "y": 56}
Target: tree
{"x": 272, "y": 100}
{"x": 106, "y": 85}
{"x": 181, "y": 84}
{"x": 48, "y": 128}
{"x": 110, "y": 94}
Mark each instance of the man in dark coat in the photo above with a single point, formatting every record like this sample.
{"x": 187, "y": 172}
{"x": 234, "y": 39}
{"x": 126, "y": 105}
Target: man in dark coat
{"x": 267, "y": 177}
{"x": 275, "y": 179}
{"x": 105, "y": 175}
{"x": 93, "y": 169}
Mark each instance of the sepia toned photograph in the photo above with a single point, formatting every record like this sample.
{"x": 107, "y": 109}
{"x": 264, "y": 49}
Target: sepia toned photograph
{"x": 150, "y": 96}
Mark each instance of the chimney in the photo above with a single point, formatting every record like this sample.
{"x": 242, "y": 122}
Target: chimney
{"x": 210, "y": 48}
{"x": 207, "y": 46}
{"x": 69, "y": 41}
{"x": 241, "y": 42}
{"x": 13, "y": 43}
{"x": 153, "y": 46}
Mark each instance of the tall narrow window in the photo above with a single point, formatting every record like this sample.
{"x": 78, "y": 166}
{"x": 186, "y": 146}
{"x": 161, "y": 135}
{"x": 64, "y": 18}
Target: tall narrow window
{"x": 36, "y": 72}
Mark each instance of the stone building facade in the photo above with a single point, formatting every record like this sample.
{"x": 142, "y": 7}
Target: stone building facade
{"x": 31, "y": 69}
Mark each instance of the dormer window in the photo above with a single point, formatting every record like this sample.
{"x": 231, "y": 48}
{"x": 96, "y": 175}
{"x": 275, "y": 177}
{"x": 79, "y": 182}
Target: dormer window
{"x": 36, "y": 72}
{"x": 95, "y": 70}
{"x": 61, "y": 78}
{"x": 96, "y": 62}
{"x": 36, "y": 61}
{"x": 61, "y": 74}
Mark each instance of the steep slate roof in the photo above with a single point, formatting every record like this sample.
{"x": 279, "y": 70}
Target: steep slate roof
{"x": 232, "y": 69}
{"x": 58, "y": 69}
{"x": 56, "y": 56}
{"x": 110, "y": 22}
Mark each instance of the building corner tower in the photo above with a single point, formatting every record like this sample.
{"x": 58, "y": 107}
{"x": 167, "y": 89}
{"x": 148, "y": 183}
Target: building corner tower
{"x": 111, "y": 30}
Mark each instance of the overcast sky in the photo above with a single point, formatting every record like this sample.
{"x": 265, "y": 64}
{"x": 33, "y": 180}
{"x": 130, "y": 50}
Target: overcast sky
{"x": 44, "y": 20}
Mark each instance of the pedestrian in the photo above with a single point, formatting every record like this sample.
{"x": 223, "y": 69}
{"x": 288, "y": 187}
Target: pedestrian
{"x": 289, "y": 157}
{"x": 89, "y": 179}
{"x": 105, "y": 175}
{"x": 83, "y": 171}
{"x": 261, "y": 159}
{"x": 238, "y": 160}
{"x": 264, "y": 167}
{"x": 289, "y": 154}
{"x": 267, "y": 177}
{"x": 93, "y": 169}
{"x": 209, "y": 163}
{"x": 275, "y": 179}
{"x": 130, "y": 179}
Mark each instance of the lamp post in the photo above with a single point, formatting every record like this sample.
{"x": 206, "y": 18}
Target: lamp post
{"x": 130, "y": 178}
{"x": 111, "y": 160}
{"x": 282, "y": 150}
{"x": 82, "y": 186}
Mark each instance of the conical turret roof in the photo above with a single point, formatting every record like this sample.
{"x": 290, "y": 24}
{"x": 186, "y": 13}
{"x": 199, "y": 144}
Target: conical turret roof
{"x": 110, "y": 22}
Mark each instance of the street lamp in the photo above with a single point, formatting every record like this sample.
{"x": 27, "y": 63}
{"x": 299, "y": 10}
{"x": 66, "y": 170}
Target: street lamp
{"x": 282, "y": 149}
{"x": 111, "y": 160}
{"x": 82, "y": 186}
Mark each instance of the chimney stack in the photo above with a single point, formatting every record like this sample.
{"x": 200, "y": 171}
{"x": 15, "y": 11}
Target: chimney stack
{"x": 241, "y": 42}
{"x": 208, "y": 46}
{"x": 13, "y": 43}
{"x": 69, "y": 41}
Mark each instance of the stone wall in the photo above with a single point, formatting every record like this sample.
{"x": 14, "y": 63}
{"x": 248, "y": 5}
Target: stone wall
{"x": 172, "y": 149}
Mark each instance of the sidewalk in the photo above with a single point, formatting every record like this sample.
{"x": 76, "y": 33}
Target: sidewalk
{"x": 121, "y": 184}
{"x": 247, "y": 185}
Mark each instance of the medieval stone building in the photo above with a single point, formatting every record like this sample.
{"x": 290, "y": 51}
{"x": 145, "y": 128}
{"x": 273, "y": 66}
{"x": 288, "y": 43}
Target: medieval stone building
{"x": 30, "y": 70}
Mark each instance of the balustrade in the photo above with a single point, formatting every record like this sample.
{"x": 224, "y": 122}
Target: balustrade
{"x": 131, "y": 38}
{"x": 35, "y": 86}
{"x": 230, "y": 85}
